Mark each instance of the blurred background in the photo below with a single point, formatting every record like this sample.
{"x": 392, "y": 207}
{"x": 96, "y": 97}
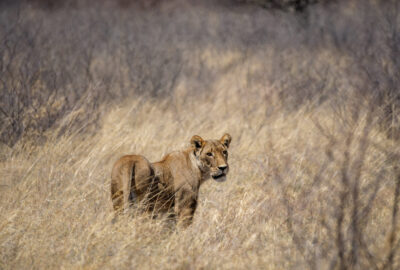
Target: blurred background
{"x": 56, "y": 54}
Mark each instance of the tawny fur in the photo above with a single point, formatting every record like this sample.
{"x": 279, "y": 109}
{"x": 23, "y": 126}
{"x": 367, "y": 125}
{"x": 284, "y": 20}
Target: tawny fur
{"x": 173, "y": 183}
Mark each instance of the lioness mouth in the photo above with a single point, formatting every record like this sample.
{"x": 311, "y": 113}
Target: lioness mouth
{"x": 218, "y": 176}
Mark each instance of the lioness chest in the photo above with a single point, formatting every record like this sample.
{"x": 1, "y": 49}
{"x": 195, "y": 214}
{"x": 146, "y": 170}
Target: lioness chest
{"x": 174, "y": 172}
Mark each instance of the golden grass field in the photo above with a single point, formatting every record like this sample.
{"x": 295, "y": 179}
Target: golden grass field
{"x": 313, "y": 184}
{"x": 55, "y": 198}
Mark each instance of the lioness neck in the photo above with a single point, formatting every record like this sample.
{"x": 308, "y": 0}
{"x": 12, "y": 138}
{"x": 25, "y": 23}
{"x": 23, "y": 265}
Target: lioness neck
{"x": 184, "y": 163}
{"x": 196, "y": 165}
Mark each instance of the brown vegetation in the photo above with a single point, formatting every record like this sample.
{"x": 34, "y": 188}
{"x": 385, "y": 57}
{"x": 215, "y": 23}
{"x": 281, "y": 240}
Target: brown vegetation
{"x": 309, "y": 97}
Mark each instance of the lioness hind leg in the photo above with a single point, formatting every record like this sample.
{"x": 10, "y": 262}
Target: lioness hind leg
{"x": 117, "y": 200}
{"x": 130, "y": 176}
{"x": 121, "y": 177}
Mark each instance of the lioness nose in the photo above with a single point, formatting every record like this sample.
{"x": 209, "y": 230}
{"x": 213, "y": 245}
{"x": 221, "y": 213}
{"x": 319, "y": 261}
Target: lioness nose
{"x": 222, "y": 167}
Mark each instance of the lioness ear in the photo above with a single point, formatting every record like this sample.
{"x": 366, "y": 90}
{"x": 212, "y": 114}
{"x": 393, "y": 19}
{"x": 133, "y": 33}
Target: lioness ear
{"x": 197, "y": 141}
{"x": 226, "y": 139}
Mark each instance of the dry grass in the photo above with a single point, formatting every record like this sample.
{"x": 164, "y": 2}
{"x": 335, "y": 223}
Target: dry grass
{"x": 313, "y": 184}
{"x": 56, "y": 211}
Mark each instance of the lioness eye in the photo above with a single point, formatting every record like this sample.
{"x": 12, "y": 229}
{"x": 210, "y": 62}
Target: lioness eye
{"x": 225, "y": 152}
{"x": 209, "y": 154}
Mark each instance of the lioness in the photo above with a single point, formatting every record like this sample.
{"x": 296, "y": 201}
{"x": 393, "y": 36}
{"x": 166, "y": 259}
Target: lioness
{"x": 173, "y": 182}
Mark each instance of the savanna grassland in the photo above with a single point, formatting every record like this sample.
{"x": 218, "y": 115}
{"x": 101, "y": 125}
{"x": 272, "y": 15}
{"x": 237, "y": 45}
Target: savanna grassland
{"x": 310, "y": 97}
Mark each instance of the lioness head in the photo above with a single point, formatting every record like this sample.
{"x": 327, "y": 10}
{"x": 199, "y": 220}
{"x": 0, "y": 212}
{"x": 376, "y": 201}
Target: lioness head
{"x": 212, "y": 156}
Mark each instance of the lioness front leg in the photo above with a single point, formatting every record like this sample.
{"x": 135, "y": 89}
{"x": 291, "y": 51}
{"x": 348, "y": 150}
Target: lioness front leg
{"x": 185, "y": 206}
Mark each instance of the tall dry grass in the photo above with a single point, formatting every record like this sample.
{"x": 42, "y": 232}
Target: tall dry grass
{"x": 313, "y": 183}
{"x": 277, "y": 210}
